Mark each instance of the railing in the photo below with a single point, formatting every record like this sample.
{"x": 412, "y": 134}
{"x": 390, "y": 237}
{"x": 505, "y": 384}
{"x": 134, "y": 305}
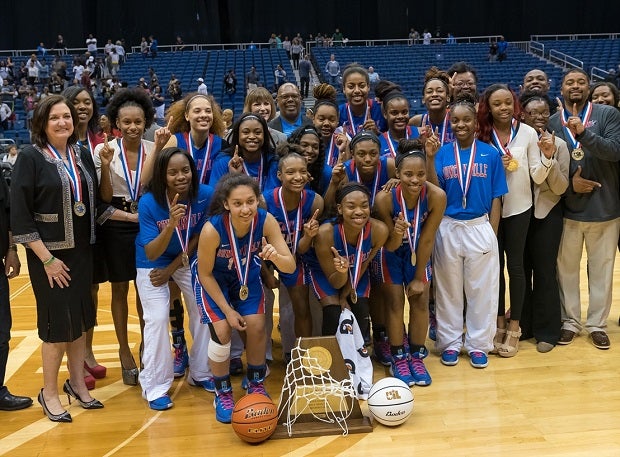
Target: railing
{"x": 537, "y": 48}
{"x": 578, "y": 36}
{"x": 598, "y": 74}
{"x": 564, "y": 59}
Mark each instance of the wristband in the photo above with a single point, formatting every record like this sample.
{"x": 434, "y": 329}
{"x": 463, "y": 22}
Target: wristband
{"x": 48, "y": 261}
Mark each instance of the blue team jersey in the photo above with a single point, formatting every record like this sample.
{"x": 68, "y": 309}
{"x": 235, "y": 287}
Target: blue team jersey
{"x": 153, "y": 219}
{"x": 267, "y": 177}
{"x": 488, "y": 180}
{"x": 323, "y": 180}
{"x": 203, "y": 157}
{"x": 389, "y": 144}
{"x": 444, "y": 130}
{"x": 346, "y": 117}
{"x": 373, "y": 186}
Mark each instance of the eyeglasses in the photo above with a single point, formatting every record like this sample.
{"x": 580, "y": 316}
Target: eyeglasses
{"x": 461, "y": 84}
{"x": 544, "y": 114}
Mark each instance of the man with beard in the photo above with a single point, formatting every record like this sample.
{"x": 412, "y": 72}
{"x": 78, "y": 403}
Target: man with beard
{"x": 591, "y": 206}
{"x": 289, "y": 105}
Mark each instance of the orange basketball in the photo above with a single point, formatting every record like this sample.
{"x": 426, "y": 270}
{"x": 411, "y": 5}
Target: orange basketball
{"x": 254, "y": 418}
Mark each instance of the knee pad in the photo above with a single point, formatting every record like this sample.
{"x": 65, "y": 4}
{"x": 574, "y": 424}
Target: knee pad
{"x": 331, "y": 317}
{"x": 219, "y": 352}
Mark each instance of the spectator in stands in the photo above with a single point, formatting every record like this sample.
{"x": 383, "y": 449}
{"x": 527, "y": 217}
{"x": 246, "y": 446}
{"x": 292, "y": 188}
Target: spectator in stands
{"x": 414, "y": 36}
{"x": 144, "y": 47}
{"x": 305, "y": 67}
{"x": 179, "y": 45}
{"x": 296, "y": 51}
{"x": 120, "y": 50}
{"x": 4, "y": 71}
{"x": 56, "y": 84}
{"x": 272, "y": 41}
{"x": 332, "y": 70}
{"x": 44, "y": 72}
{"x": 202, "y": 87}
{"x": 30, "y": 103}
{"x": 107, "y": 128}
{"x": 426, "y": 37}
{"x": 41, "y": 50}
{"x": 153, "y": 46}
{"x": 591, "y": 206}
{"x": 91, "y": 44}
{"x": 60, "y": 47}
{"x": 337, "y": 38}
{"x": 11, "y": 156}
{"x": 59, "y": 66}
{"x": 451, "y": 39}
{"x": 78, "y": 69}
{"x": 280, "y": 76}
{"x": 319, "y": 40}
{"x": 463, "y": 79}
{"x": 174, "y": 88}
{"x": 604, "y": 93}
{"x": 289, "y": 104}
{"x": 541, "y": 316}
{"x": 159, "y": 103}
{"x": 493, "y": 51}
{"x": 259, "y": 101}
{"x": 286, "y": 44}
{"x": 252, "y": 79}
{"x": 230, "y": 84}
{"x": 502, "y": 49}
{"x": 373, "y": 78}
{"x": 5, "y": 114}
{"x": 107, "y": 49}
{"x": 33, "y": 70}
{"x": 227, "y": 117}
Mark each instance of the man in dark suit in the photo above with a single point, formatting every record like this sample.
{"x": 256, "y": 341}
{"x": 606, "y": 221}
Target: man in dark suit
{"x": 289, "y": 106}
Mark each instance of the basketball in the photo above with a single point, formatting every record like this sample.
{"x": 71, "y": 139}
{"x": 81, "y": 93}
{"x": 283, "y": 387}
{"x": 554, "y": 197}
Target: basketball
{"x": 390, "y": 401}
{"x": 254, "y": 418}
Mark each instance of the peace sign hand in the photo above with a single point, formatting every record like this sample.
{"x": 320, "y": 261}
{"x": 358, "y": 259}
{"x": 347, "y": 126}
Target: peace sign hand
{"x": 341, "y": 264}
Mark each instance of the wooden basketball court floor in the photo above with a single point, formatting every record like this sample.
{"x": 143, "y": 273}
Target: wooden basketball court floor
{"x": 563, "y": 403}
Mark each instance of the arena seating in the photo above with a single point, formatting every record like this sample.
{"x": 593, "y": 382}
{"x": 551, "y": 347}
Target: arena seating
{"x": 601, "y": 53}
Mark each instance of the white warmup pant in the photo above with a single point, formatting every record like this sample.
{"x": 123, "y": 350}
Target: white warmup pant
{"x": 601, "y": 240}
{"x": 236, "y": 345}
{"x": 466, "y": 259}
{"x": 157, "y": 375}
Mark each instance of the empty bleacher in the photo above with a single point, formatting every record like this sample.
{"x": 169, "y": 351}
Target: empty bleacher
{"x": 598, "y": 52}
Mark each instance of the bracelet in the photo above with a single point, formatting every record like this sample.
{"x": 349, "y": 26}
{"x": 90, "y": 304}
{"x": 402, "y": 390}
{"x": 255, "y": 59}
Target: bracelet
{"x": 48, "y": 261}
{"x": 13, "y": 247}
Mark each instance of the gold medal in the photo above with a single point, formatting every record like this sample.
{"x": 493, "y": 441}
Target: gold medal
{"x": 577, "y": 154}
{"x": 79, "y": 208}
{"x": 133, "y": 207}
{"x": 353, "y": 296}
{"x": 513, "y": 165}
{"x": 185, "y": 259}
{"x": 244, "y": 292}
{"x": 413, "y": 258}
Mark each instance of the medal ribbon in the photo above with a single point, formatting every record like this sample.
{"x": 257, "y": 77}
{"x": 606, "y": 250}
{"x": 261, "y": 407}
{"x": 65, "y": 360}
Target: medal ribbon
{"x": 332, "y": 152}
{"x": 426, "y": 120}
{"x": 197, "y": 153}
{"x": 459, "y": 168}
{"x": 233, "y": 244}
{"x": 352, "y": 128}
{"x": 415, "y": 223}
{"x": 357, "y": 266}
{"x": 514, "y": 128}
{"x": 390, "y": 142}
{"x": 89, "y": 143}
{"x": 585, "y": 118}
{"x": 183, "y": 240}
{"x": 260, "y": 172}
{"x": 71, "y": 169}
{"x": 298, "y": 218}
{"x": 375, "y": 180}
{"x": 133, "y": 182}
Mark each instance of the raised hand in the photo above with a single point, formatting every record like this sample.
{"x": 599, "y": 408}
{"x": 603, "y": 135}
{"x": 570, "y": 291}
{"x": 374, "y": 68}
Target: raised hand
{"x": 107, "y": 152}
{"x": 177, "y": 210}
{"x": 583, "y": 185}
{"x": 235, "y": 164}
{"x": 547, "y": 143}
{"x": 268, "y": 252}
{"x": 162, "y": 135}
{"x": 311, "y": 227}
{"x": 401, "y": 225}
{"x": 338, "y": 172}
{"x": 341, "y": 263}
{"x": 369, "y": 123}
{"x": 432, "y": 144}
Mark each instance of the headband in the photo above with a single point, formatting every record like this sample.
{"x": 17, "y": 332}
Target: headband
{"x": 193, "y": 97}
{"x": 412, "y": 153}
{"x": 364, "y": 135}
{"x": 250, "y": 117}
{"x": 391, "y": 95}
{"x": 349, "y": 188}
{"x": 310, "y": 131}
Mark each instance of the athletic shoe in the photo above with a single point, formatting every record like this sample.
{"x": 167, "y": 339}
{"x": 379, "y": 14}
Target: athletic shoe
{"x": 418, "y": 370}
{"x": 478, "y": 359}
{"x": 245, "y": 382}
{"x": 207, "y": 384}
{"x": 257, "y": 387}
{"x": 224, "y": 405}
{"x": 161, "y": 403}
{"x": 181, "y": 360}
{"x": 450, "y": 357}
{"x": 236, "y": 366}
{"x": 382, "y": 354}
{"x": 399, "y": 368}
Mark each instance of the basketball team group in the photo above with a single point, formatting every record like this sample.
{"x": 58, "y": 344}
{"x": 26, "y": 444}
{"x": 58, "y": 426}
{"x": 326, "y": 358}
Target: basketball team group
{"x": 357, "y": 206}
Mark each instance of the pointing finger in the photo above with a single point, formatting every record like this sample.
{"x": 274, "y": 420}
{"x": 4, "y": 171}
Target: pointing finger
{"x": 105, "y": 140}
{"x": 315, "y": 215}
{"x": 575, "y": 112}
{"x": 169, "y": 122}
{"x": 335, "y": 252}
{"x": 264, "y": 241}
{"x": 175, "y": 199}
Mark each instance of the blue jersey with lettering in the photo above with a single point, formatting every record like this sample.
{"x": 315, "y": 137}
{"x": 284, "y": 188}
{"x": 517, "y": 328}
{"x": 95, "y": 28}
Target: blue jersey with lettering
{"x": 267, "y": 177}
{"x": 213, "y": 146}
{"x": 275, "y": 207}
{"x": 488, "y": 180}
{"x": 154, "y": 218}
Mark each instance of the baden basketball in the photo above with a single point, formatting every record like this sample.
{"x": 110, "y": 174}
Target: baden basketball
{"x": 254, "y": 418}
{"x": 390, "y": 401}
